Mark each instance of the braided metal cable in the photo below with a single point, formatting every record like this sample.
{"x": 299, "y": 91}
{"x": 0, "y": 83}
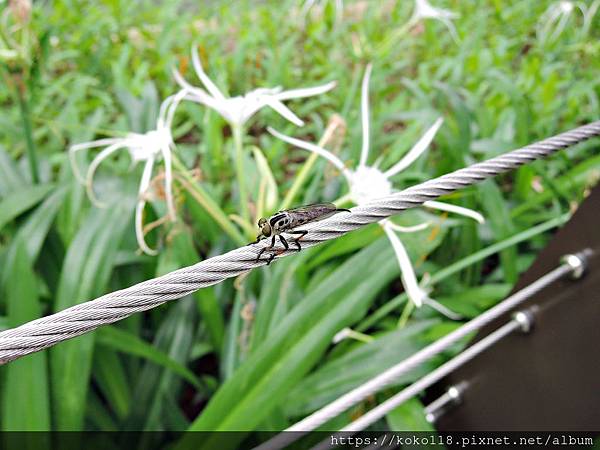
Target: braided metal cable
{"x": 77, "y": 320}
{"x": 389, "y": 376}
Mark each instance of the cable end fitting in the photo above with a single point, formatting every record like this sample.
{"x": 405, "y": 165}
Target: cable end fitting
{"x": 524, "y": 319}
{"x": 577, "y": 262}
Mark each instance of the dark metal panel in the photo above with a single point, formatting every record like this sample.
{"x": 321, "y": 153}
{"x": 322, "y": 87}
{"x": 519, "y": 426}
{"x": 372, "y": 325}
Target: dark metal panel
{"x": 548, "y": 379}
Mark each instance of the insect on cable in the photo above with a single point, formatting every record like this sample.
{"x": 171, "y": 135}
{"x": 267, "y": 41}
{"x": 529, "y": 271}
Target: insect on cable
{"x": 82, "y": 318}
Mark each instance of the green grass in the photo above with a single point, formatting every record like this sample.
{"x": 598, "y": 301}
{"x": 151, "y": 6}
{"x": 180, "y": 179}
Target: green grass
{"x": 256, "y": 353}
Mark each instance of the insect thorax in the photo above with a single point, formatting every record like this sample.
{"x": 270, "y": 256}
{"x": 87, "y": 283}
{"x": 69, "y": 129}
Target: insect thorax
{"x": 280, "y": 222}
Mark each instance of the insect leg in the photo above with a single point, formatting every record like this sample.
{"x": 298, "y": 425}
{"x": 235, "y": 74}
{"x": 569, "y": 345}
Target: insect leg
{"x": 284, "y": 242}
{"x": 302, "y": 233}
{"x": 258, "y": 238}
{"x": 262, "y": 250}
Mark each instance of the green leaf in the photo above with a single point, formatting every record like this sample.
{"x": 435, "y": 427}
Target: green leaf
{"x": 409, "y": 416}
{"x": 25, "y": 393}
{"x": 298, "y": 342}
{"x": 110, "y": 377}
{"x": 20, "y": 201}
{"x": 85, "y": 275}
{"x": 497, "y": 213}
{"x": 356, "y": 366}
{"x": 11, "y": 178}
{"x": 36, "y": 227}
{"x": 470, "y": 302}
{"x": 130, "y": 344}
{"x": 156, "y": 386}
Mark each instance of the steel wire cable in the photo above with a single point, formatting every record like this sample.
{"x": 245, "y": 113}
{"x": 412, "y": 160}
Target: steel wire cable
{"x": 423, "y": 383}
{"x": 112, "y": 307}
{"x": 386, "y": 378}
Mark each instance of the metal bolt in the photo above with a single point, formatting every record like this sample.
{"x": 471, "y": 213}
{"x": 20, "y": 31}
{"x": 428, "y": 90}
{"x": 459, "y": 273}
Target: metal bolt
{"x": 524, "y": 319}
{"x": 446, "y": 401}
{"x": 577, "y": 263}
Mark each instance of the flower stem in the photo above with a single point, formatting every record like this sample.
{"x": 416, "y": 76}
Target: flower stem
{"x": 239, "y": 168}
{"x": 211, "y": 207}
{"x": 406, "y": 312}
{"x": 299, "y": 181}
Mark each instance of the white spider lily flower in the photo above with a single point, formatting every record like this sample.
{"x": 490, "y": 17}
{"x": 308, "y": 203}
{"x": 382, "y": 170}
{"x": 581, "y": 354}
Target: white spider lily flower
{"x": 148, "y": 147}
{"x": 367, "y": 183}
{"x": 238, "y": 110}
{"x": 557, "y": 15}
{"x": 425, "y": 10}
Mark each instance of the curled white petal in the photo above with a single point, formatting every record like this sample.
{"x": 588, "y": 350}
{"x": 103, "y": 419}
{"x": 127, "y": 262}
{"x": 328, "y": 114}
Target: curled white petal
{"x": 199, "y": 95}
{"x": 166, "y": 152}
{"x": 315, "y": 149}
{"x": 364, "y": 113}
{"x": 467, "y": 212}
{"x": 237, "y": 110}
{"x": 89, "y": 180}
{"x": 411, "y": 229}
{"x": 442, "y": 309}
{"x": 84, "y": 146}
{"x": 283, "y": 110}
{"x": 451, "y": 28}
{"x": 206, "y": 81}
{"x": 424, "y": 10}
{"x": 414, "y": 292}
{"x": 305, "y": 92}
{"x": 139, "y": 208}
{"x": 167, "y": 110}
{"x": 341, "y": 335}
{"x": 417, "y": 149}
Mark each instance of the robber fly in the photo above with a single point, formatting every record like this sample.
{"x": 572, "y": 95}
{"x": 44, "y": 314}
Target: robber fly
{"x": 287, "y": 220}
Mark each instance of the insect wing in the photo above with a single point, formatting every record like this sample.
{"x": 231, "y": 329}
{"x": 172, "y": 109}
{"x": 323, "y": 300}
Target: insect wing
{"x": 311, "y": 213}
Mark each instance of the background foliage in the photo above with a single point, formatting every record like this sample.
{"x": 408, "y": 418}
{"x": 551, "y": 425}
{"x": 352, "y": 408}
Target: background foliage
{"x": 257, "y": 353}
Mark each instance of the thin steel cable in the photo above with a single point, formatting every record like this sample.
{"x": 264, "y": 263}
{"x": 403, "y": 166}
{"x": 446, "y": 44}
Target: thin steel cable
{"x": 79, "y": 319}
{"x": 388, "y": 377}
{"x": 432, "y": 377}
{"x": 423, "y": 383}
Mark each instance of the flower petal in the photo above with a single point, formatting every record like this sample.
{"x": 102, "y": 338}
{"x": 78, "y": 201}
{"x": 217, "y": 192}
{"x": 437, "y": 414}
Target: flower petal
{"x": 417, "y": 149}
{"x": 83, "y": 146}
{"x": 364, "y": 114}
{"x": 315, "y": 149}
{"x": 207, "y": 82}
{"x": 139, "y": 208}
{"x": 305, "y": 92}
{"x": 442, "y": 309}
{"x": 166, "y": 153}
{"x": 89, "y": 180}
{"x": 168, "y": 108}
{"x": 415, "y": 293}
{"x": 401, "y": 229}
{"x": 282, "y": 109}
{"x": 199, "y": 95}
{"x": 461, "y": 210}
